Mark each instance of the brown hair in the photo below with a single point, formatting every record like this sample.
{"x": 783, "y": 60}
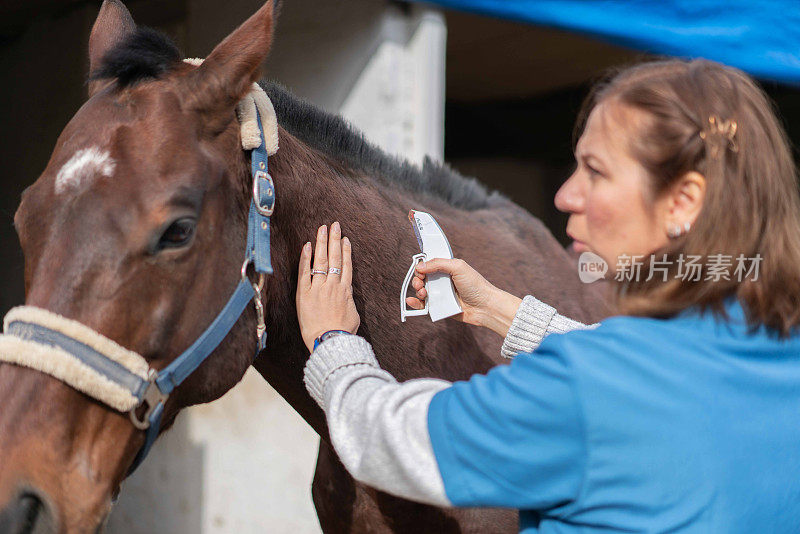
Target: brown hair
{"x": 751, "y": 205}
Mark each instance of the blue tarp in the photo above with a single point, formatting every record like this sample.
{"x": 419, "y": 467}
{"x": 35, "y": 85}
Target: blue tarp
{"x": 761, "y": 37}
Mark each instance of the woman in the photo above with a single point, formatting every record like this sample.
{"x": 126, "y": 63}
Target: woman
{"x": 682, "y": 413}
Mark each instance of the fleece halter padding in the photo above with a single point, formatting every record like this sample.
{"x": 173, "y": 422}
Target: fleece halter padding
{"x": 64, "y": 349}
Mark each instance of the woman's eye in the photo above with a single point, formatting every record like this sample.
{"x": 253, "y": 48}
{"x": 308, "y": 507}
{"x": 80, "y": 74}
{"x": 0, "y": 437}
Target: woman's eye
{"x": 593, "y": 173}
{"x": 178, "y": 234}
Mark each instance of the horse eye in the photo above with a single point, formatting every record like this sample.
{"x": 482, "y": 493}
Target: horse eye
{"x": 178, "y": 234}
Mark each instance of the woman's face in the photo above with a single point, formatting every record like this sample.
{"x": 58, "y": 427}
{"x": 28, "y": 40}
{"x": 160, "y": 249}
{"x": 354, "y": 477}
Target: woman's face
{"x": 607, "y": 194}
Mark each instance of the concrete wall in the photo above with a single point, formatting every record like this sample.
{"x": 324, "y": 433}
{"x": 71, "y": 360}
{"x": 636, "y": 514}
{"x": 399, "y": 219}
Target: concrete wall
{"x": 241, "y": 464}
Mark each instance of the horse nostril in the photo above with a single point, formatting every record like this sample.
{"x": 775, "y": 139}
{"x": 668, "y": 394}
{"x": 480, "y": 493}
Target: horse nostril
{"x": 27, "y": 514}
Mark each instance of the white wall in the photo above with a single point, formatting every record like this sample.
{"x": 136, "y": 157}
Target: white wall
{"x": 245, "y": 463}
{"x": 398, "y": 98}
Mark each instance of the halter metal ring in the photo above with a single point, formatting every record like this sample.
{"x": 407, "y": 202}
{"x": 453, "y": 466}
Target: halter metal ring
{"x": 261, "y": 326}
{"x": 261, "y": 277}
{"x": 152, "y": 397}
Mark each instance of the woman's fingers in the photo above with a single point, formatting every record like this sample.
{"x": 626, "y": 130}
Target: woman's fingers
{"x": 321, "y": 254}
{"x": 415, "y": 303}
{"x": 419, "y": 288}
{"x": 332, "y": 252}
{"x": 304, "y": 269}
{"x": 325, "y": 303}
{"x": 335, "y": 249}
{"x": 439, "y": 265}
{"x": 347, "y": 262}
{"x": 417, "y": 283}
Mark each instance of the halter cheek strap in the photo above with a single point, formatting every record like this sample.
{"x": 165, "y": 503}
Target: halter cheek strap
{"x": 121, "y": 379}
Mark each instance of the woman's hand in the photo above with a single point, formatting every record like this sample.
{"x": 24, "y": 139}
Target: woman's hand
{"x": 482, "y": 303}
{"x": 325, "y": 301}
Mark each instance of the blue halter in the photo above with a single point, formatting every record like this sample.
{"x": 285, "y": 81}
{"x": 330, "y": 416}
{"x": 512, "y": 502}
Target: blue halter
{"x": 257, "y": 253}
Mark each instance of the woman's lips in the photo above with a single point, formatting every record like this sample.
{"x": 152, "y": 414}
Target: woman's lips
{"x": 579, "y": 246}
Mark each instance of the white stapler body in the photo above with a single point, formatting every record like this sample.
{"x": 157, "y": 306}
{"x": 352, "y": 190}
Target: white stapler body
{"x": 441, "y": 302}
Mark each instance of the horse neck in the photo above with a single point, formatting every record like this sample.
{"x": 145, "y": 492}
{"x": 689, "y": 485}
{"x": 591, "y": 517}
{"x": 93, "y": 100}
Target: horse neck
{"x": 313, "y": 190}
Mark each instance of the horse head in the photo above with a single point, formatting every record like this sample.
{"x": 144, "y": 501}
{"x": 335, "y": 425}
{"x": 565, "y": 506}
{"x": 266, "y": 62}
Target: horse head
{"x": 135, "y": 230}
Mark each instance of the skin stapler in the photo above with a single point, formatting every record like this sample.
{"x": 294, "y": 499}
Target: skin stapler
{"x": 441, "y": 301}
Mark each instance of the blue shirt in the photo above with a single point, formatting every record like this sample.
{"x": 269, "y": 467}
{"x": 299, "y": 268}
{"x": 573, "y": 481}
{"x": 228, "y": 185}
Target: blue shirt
{"x": 687, "y": 424}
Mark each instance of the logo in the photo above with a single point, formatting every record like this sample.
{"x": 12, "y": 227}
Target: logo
{"x": 591, "y": 267}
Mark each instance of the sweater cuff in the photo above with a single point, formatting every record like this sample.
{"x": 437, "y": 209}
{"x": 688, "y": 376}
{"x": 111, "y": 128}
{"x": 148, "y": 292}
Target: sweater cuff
{"x": 528, "y": 327}
{"x": 334, "y": 354}
{"x": 560, "y": 325}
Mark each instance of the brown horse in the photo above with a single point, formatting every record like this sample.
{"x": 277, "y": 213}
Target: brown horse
{"x": 136, "y": 229}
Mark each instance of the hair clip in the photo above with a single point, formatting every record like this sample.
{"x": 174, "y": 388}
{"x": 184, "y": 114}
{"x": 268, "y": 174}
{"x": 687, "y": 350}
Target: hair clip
{"x": 720, "y": 129}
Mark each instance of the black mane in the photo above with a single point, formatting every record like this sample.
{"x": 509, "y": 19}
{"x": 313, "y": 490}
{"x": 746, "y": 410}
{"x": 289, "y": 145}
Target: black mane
{"x": 143, "y": 55}
{"x": 148, "y": 54}
{"x": 332, "y": 135}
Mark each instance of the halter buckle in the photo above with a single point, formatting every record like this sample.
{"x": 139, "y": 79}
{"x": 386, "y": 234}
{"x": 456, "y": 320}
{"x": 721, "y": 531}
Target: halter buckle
{"x": 264, "y": 176}
{"x": 152, "y": 398}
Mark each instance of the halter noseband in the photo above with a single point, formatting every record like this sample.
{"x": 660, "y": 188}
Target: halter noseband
{"x": 119, "y": 378}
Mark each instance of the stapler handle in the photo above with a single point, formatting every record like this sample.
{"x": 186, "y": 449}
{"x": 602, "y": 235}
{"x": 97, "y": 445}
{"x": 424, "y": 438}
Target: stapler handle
{"x": 404, "y": 310}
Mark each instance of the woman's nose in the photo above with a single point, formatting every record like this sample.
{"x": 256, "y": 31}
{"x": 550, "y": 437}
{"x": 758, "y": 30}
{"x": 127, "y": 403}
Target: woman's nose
{"x": 570, "y": 197}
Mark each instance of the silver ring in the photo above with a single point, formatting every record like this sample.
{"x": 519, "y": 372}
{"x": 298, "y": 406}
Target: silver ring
{"x": 319, "y": 271}
{"x": 335, "y": 270}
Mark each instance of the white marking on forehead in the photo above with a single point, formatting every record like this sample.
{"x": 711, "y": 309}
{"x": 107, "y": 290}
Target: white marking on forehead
{"x": 84, "y": 165}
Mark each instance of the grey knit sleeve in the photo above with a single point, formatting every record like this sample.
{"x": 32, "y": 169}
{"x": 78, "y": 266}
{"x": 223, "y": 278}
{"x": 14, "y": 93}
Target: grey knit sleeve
{"x": 532, "y": 323}
{"x": 378, "y": 427}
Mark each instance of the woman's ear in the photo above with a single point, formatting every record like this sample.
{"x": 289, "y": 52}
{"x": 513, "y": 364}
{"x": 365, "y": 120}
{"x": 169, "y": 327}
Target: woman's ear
{"x": 685, "y": 200}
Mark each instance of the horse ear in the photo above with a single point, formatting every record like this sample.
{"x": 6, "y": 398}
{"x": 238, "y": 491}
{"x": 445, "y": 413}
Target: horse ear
{"x": 227, "y": 74}
{"x": 114, "y": 23}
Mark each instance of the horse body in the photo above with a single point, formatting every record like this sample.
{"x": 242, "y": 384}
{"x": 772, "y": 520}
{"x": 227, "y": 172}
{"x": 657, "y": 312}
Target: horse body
{"x": 157, "y": 145}
{"x": 502, "y": 241}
